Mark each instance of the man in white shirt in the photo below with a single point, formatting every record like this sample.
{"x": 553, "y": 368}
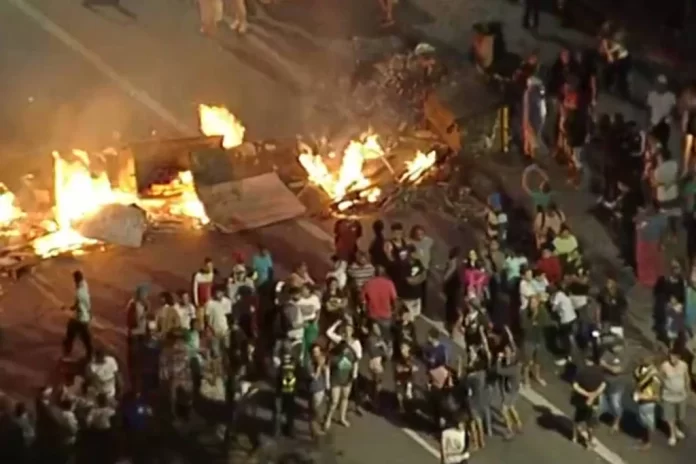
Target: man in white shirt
{"x": 216, "y": 312}
{"x": 104, "y": 374}
{"x": 661, "y": 104}
{"x": 563, "y": 307}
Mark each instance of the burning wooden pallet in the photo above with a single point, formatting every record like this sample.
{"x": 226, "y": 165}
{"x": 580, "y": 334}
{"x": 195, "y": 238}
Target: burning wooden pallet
{"x": 14, "y": 264}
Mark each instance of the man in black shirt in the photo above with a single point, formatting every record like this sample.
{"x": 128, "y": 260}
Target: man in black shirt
{"x": 588, "y": 387}
{"x": 612, "y": 307}
{"x": 286, "y": 389}
{"x": 409, "y": 283}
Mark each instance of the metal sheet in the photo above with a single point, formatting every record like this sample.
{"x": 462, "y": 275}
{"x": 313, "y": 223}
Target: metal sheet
{"x": 250, "y": 203}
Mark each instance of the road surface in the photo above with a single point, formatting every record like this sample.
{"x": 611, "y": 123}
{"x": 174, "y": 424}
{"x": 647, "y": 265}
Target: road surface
{"x": 76, "y": 77}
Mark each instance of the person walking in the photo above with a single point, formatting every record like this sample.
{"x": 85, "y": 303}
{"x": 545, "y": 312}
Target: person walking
{"x": 78, "y": 325}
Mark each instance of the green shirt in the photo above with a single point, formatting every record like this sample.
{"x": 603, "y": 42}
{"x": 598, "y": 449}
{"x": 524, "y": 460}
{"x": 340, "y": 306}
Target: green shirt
{"x": 540, "y": 199}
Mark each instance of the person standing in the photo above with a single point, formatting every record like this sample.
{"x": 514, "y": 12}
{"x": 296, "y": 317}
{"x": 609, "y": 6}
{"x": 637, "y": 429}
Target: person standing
{"x": 78, "y": 325}
{"x": 613, "y": 364}
{"x": 589, "y": 385}
{"x": 674, "y": 393}
{"x": 285, "y": 404}
{"x": 454, "y": 445}
{"x": 645, "y": 395}
{"x": 661, "y": 105}
{"x": 424, "y": 250}
{"x": 203, "y": 281}
{"x": 530, "y": 14}
{"x": 562, "y": 306}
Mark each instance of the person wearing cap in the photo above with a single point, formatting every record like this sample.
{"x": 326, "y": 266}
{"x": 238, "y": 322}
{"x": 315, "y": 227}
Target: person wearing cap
{"x": 661, "y": 105}
{"x": 238, "y": 278}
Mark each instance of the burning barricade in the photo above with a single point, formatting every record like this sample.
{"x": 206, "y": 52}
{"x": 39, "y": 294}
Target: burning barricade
{"x": 365, "y": 175}
{"x": 116, "y": 196}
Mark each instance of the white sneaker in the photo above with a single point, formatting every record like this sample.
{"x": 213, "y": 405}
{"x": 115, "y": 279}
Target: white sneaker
{"x": 672, "y": 441}
{"x": 561, "y": 362}
{"x": 680, "y": 435}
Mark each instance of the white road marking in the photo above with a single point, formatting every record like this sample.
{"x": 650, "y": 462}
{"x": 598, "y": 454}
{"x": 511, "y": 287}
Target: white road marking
{"x": 139, "y": 95}
{"x": 538, "y": 400}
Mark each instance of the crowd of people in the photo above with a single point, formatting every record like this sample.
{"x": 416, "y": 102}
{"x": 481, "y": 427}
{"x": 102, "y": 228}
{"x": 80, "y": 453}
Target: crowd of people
{"x": 346, "y": 340}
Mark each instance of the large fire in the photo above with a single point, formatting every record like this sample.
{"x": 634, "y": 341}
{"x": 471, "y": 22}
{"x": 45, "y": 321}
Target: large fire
{"x": 81, "y": 190}
{"x": 349, "y": 178}
{"x": 218, "y": 121}
{"x": 9, "y": 211}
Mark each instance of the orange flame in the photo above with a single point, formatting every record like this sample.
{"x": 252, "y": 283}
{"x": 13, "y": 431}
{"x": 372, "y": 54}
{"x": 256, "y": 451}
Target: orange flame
{"x": 218, "y": 121}
{"x": 349, "y": 177}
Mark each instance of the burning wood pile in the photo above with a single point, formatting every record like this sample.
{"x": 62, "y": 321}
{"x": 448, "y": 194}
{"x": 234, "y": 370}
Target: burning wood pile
{"x": 86, "y": 207}
{"x": 366, "y": 175}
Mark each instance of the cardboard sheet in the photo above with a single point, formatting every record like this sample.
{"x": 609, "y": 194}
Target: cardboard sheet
{"x": 250, "y": 203}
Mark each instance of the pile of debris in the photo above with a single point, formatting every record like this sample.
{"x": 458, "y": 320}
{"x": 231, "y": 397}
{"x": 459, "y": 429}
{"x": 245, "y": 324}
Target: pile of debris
{"x": 391, "y": 81}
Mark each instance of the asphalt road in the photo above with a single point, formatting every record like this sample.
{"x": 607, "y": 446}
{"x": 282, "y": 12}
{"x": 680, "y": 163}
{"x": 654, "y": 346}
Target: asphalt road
{"x": 73, "y": 77}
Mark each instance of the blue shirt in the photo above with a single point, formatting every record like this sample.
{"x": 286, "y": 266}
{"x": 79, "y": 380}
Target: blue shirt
{"x": 435, "y": 356}
{"x": 262, "y": 265}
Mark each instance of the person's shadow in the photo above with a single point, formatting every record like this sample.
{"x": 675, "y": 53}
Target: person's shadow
{"x": 115, "y": 4}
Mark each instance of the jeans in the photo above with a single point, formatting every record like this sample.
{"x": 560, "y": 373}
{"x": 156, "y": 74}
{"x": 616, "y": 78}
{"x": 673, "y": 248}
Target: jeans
{"x": 480, "y": 399}
{"x": 611, "y": 402}
{"x": 284, "y": 405}
{"x": 646, "y": 415}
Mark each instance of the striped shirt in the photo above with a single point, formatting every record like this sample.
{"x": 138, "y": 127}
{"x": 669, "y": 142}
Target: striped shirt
{"x": 360, "y": 274}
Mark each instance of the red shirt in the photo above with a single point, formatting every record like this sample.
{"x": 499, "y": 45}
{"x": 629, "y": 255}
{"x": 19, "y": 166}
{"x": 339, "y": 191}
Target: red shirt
{"x": 551, "y": 267}
{"x": 379, "y": 294}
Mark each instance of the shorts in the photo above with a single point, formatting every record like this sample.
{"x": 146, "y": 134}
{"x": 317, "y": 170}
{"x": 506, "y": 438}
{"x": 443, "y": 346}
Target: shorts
{"x": 673, "y": 412}
{"x": 316, "y": 403}
{"x": 531, "y": 350}
{"x": 586, "y": 415}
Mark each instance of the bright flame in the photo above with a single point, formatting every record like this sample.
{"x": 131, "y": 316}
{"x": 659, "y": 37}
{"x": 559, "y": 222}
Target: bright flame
{"x": 80, "y": 193}
{"x": 350, "y": 175}
{"x": 218, "y": 121}
{"x": 9, "y": 211}
{"x": 178, "y": 198}
{"x": 417, "y": 167}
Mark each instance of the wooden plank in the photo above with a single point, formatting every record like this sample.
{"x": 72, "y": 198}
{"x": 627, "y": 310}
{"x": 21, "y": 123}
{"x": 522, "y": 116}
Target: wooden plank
{"x": 250, "y": 203}
{"x": 442, "y": 121}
